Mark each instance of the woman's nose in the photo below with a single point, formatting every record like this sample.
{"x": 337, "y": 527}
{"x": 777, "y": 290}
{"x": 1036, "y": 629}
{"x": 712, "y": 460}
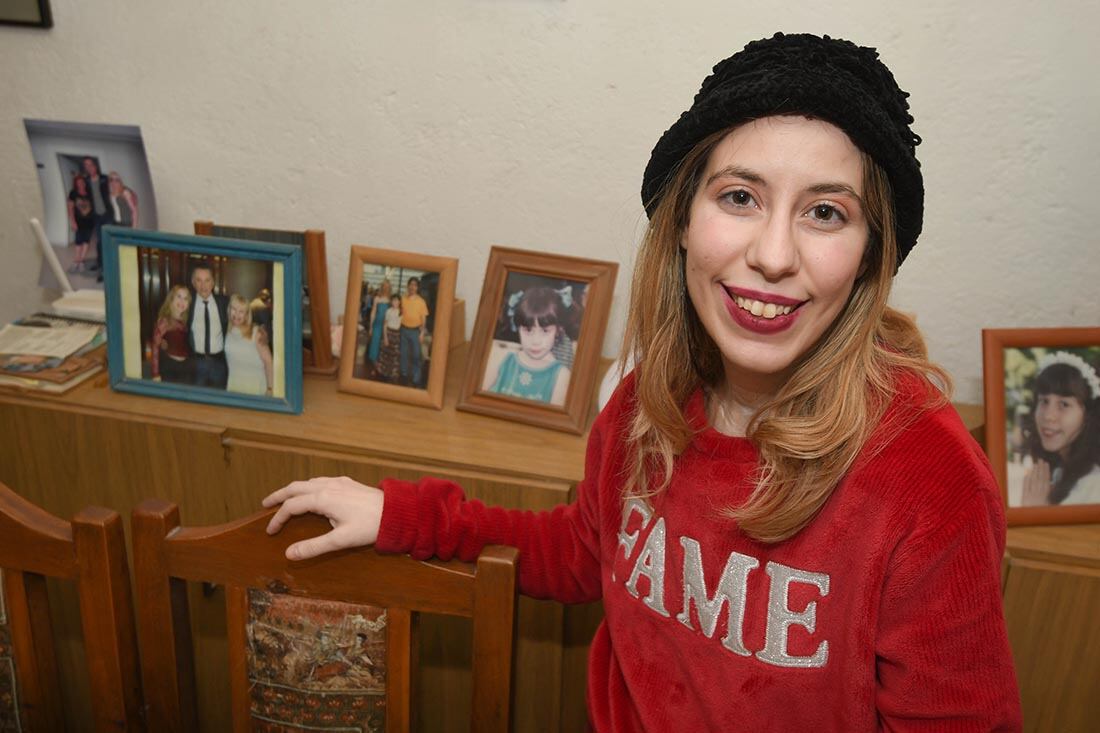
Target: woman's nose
{"x": 773, "y": 251}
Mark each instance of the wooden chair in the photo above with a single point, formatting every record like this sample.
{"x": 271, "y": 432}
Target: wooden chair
{"x": 242, "y": 556}
{"x": 91, "y": 551}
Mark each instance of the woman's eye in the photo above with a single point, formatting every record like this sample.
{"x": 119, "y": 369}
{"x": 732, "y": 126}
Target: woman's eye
{"x": 827, "y": 213}
{"x": 738, "y": 197}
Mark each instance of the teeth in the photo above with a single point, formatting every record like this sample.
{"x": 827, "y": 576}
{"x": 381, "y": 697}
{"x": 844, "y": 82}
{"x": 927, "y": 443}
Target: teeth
{"x": 761, "y": 309}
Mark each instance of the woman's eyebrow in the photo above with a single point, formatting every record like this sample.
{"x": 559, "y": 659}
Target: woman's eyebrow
{"x": 842, "y": 188}
{"x": 736, "y": 171}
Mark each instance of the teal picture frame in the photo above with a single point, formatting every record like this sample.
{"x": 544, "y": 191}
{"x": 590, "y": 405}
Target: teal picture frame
{"x": 128, "y": 278}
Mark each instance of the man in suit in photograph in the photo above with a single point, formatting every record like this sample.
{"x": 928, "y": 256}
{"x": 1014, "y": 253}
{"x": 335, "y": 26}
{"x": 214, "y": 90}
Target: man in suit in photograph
{"x": 207, "y": 325}
{"x": 99, "y": 191}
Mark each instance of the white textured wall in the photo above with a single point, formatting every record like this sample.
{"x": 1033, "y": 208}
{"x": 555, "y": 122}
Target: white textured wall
{"x": 448, "y": 126}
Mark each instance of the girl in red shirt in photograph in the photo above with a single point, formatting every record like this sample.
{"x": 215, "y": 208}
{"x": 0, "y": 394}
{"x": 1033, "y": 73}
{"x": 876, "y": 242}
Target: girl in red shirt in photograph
{"x": 788, "y": 525}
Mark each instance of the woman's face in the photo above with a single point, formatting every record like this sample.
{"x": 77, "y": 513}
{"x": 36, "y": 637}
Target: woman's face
{"x": 115, "y": 185}
{"x": 180, "y": 303}
{"x": 238, "y": 313}
{"x": 1059, "y": 420}
{"x": 774, "y": 244}
{"x": 81, "y": 185}
{"x": 537, "y": 341}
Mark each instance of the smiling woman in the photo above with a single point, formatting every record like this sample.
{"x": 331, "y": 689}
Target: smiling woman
{"x": 778, "y": 501}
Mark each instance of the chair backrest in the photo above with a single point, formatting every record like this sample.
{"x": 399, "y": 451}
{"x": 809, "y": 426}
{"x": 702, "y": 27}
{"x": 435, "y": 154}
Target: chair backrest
{"x": 91, "y": 551}
{"x": 388, "y": 590}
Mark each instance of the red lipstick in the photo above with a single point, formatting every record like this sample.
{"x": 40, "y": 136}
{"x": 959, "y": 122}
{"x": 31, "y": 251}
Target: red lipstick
{"x": 759, "y": 324}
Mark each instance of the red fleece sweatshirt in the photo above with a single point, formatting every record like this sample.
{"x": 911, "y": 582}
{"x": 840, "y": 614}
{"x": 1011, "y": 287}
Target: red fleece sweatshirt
{"x": 884, "y": 613}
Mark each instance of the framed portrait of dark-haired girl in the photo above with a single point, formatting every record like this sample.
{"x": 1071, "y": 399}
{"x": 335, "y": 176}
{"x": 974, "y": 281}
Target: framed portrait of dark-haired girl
{"x": 180, "y": 322}
{"x": 537, "y": 338}
{"x": 1042, "y": 413}
{"x": 397, "y": 325}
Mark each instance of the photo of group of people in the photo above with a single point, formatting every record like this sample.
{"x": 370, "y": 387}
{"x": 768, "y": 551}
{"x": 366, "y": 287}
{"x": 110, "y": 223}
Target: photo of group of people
{"x": 535, "y": 339}
{"x": 397, "y": 307}
{"x": 94, "y": 201}
{"x": 91, "y": 176}
{"x": 1052, "y": 414}
{"x": 207, "y": 321}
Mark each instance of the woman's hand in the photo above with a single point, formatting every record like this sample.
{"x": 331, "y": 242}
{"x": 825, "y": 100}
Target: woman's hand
{"x": 354, "y": 510}
{"x": 1037, "y": 485}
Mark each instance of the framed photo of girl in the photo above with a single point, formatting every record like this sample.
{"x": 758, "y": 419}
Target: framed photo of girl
{"x": 179, "y": 322}
{"x": 1042, "y": 417}
{"x": 537, "y": 339}
{"x": 397, "y": 325}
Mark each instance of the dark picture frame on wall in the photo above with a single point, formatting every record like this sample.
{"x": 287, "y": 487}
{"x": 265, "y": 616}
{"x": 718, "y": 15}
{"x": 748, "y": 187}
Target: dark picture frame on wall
{"x": 317, "y": 355}
{"x": 180, "y": 325}
{"x": 33, "y": 13}
{"x": 536, "y": 343}
{"x": 397, "y": 325}
{"x": 1042, "y": 422}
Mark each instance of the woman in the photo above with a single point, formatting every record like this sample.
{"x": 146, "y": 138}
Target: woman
{"x": 789, "y": 527}
{"x": 170, "y": 351}
{"x": 81, "y": 220}
{"x": 247, "y": 355}
{"x": 123, "y": 201}
{"x": 1064, "y": 443}
{"x": 378, "y": 320}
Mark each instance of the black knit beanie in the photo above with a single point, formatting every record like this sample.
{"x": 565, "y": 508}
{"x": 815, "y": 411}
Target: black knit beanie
{"x": 827, "y": 78}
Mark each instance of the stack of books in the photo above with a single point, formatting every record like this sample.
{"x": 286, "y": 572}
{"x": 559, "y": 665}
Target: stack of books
{"x": 51, "y": 353}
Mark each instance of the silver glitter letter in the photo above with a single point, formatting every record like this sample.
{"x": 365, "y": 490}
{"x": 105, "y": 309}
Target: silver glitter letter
{"x": 651, "y": 563}
{"x": 732, "y": 587}
{"x": 780, "y": 617}
{"x": 627, "y": 541}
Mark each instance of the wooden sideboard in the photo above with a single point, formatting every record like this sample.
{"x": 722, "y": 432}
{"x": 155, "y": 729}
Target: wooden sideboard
{"x": 1052, "y": 608}
{"x": 96, "y": 446}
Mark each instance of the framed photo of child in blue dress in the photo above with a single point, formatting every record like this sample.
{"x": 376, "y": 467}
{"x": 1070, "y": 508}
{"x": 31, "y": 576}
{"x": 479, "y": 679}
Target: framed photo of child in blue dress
{"x": 537, "y": 338}
{"x": 1042, "y": 405}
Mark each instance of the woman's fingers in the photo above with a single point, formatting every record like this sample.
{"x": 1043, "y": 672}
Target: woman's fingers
{"x": 296, "y": 488}
{"x": 328, "y": 542}
{"x": 292, "y": 506}
{"x": 354, "y": 510}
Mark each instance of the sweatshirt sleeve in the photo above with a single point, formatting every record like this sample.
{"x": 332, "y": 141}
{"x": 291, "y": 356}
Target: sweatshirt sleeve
{"x": 943, "y": 657}
{"x": 559, "y": 554}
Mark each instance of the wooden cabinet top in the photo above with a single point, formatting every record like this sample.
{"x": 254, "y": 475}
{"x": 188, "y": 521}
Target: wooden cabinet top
{"x": 350, "y": 424}
{"x": 1073, "y": 544}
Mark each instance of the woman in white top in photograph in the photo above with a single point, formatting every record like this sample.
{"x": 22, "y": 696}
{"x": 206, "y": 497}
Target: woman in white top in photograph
{"x": 247, "y": 353}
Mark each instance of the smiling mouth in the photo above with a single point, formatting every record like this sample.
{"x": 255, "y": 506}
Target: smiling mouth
{"x": 762, "y": 309}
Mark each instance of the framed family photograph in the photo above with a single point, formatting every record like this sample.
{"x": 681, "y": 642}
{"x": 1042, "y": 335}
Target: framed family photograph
{"x": 316, "y": 329}
{"x": 397, "y": 325}
{"x": 537, "y": 338}
{"x": 180, "y": 322}
{"x": 1042, "y": 418}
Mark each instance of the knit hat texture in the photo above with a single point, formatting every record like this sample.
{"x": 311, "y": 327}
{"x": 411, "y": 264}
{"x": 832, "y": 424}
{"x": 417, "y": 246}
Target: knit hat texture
{"x": 830, "y": 79}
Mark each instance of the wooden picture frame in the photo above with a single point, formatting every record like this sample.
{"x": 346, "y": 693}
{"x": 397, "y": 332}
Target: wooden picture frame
{"x": 505, "y": 374}
{"x": 1027, "y": 430}
{"x": 317, "y": 355}
{"x": 34, "y": 13}
{"x": 375, "y": 363}
{"x": 145, "y": 271}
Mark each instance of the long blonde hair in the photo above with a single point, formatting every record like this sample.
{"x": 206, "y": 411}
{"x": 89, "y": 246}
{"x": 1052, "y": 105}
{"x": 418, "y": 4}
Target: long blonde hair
{"x": 246, "y": 327}
{"x": 811, "y": 432}
{"x": 165, "y": 311}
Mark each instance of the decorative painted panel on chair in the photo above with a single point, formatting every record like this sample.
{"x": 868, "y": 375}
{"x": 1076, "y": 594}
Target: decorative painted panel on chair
{"x": 9, "y": 698}
{"x": 315, "y": 664}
